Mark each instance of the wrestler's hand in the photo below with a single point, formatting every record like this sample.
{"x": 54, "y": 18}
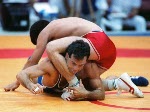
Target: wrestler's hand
{"x": 12, "y": 86}
{"x": 67, "y": 95}
{"x": 36, "y": 88}
{"x": 79, "y": 93}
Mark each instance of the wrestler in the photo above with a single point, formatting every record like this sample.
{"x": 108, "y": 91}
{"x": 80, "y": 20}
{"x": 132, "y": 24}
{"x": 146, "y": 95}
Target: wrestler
{"x": 43, "y": 32}
{"x": 90, "y": 88}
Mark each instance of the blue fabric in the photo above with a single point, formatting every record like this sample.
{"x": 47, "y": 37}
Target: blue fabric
{"x": 52, "y": 90}
{"x": 40, "y": 80}
{"x": 140, "y": 81}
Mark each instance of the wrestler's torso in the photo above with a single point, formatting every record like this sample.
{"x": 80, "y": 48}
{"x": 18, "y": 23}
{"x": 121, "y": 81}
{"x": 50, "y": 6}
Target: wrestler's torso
{"x": 55, "y": 80}
{"x": 71, "y": 26}
{"x": 58, "y": 83}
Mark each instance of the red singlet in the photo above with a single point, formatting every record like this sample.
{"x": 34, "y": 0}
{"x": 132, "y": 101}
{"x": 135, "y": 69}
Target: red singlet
{"x": 104, "y": 48}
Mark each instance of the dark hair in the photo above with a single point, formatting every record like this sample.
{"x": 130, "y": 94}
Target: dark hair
{"x": 36, "y": 28}
{"x": 79, "y": 48}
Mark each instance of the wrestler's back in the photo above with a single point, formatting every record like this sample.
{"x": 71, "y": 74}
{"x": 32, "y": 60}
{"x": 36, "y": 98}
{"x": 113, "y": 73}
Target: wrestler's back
{"x": 72, "y": 26}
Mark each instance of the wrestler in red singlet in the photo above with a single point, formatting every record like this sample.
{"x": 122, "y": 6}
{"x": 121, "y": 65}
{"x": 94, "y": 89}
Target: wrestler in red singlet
{"x": 104, "y": 48}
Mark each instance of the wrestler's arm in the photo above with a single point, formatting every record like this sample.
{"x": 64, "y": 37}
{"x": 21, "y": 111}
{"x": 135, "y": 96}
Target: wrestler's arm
{"x": 50, "y": 32}
{"x": 54, "y": 48}
{"x": 39, "y": 49}
{"x": 35, "y": 57}
{"x": 54, "y": 30}
{"x": 80, "y": 93}
{"x": 25, "y": 76}
{"x": 98, "y": 93}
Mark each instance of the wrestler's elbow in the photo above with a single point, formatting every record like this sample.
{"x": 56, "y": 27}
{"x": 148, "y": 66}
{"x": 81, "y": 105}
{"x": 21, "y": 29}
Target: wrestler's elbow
{"x": 101, "y": 95}
{"x": 21, "y": 76}
{"x": 30, "y": 62}
{"x": 50, "y": 49}
{"x": 18, "y": 76}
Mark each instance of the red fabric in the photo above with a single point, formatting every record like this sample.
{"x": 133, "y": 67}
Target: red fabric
{"x": 104, "y": 48}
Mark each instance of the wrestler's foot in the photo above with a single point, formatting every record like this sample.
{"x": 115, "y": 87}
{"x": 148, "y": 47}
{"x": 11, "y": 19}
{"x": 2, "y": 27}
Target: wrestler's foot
{"x": 124, "y": 83}
{"x": 11, "y": 87}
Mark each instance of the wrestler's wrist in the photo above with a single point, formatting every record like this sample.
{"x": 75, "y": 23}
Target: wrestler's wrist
{"x": 17, "y": 82}
{"x": 29, "y": 86}
{"x": 86, "y": 94}
{"x": 74, "y": 82}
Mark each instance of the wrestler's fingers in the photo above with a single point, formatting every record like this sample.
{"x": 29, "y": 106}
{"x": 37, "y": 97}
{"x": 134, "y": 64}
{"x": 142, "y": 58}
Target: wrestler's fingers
{"x": 36, "y": 90}
{"x": 38, "y": 84}
{"x": 40, "y": 89}
{"x": 32, "y": 90}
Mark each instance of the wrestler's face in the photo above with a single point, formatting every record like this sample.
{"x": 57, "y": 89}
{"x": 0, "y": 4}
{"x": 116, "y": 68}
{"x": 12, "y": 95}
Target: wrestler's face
{"x": 75, "y": 65}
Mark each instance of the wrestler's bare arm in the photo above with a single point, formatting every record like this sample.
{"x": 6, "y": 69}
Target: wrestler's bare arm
{"x": 53, "y": 31}
{"x": 54, "y": 48}
{"x": 32, "y": 60}
{"x": 93, "y": 72}
{"x": 56, "y": 29}
{"x": 25, "y": 76}
{"x": 82, "y": 93}
{"x": 98, "y": 93}
{"x": 60, "y": 28}
{"x": 37, "y": 53}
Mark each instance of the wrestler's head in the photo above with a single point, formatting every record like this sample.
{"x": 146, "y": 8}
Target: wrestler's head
{"x": 36, "y": 28}
{"x": 77, "y": 55}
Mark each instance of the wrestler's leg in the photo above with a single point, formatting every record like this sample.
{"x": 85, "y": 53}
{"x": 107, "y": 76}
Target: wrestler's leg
{"x": 137, "y": 80}
{"x": 125, "y": 83}
{"x": 91, "y": 70}
{"x": 91, "y": 80}
{"x": 91, "y": 76}
{"x": 108, "y": 83}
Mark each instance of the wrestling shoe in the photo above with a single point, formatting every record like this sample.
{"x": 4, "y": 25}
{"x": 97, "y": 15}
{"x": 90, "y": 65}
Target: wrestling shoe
{"x": 124, "y": 83}
{"x": 139, "y": 81}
